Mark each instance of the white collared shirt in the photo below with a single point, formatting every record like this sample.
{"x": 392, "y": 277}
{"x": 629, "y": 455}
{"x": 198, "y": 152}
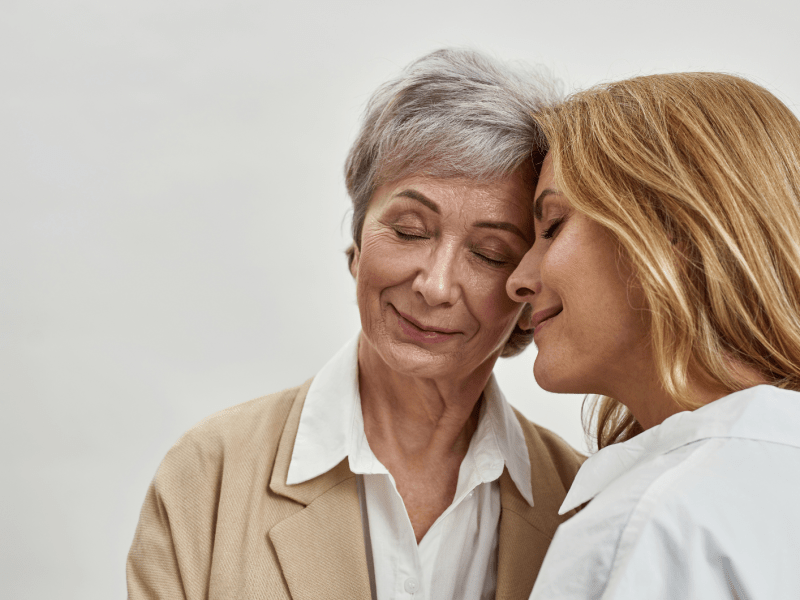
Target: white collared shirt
{"x": 457, "y": 558}
{"x": 704, "y": 505}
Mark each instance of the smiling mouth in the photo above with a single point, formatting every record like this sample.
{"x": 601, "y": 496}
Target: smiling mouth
{"x": 420, "y": 333}
{"x": 539, "y": 321}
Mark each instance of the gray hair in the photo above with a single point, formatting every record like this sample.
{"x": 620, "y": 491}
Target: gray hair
{"x": 452, "y": 114}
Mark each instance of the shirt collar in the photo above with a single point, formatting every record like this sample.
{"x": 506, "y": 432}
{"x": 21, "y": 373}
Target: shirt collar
{"x": 332, "y": 428}
{"x": 762, "y": 413}
{"x": 326, "y": 421}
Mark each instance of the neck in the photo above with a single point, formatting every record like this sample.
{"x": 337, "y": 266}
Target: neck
{"x": 651, "y": 405}
{"x": 418, "y": 417}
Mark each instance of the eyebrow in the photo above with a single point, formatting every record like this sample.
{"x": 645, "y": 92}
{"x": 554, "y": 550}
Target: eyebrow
{"x": 502, "y": 225}
{"x": 421, "y": 198}
{"x": 537, "y": 204}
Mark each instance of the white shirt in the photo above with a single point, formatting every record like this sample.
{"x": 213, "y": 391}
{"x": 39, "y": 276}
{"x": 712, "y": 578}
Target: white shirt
{"x": 704, "y": 505}
{"x": 457, "y": 558}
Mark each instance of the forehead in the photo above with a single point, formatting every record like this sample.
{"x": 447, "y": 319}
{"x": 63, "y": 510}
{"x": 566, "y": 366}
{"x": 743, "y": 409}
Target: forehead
{"x": 546, "y": 187}
{"x": 508, "y": 197}
{"x": 546, "y": 175}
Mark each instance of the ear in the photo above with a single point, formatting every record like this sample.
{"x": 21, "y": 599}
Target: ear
{"x": 525, "y": 321}
{"x": 354, "y": 261}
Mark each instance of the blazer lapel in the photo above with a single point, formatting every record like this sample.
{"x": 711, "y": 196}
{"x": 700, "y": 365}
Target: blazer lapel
{"x": 321, "y": 547}
{"x": 526, "y": 531}
{"x": 520, "y": 546}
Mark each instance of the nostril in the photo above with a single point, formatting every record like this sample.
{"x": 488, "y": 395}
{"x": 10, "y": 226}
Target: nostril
{"x": 522, "y": 292}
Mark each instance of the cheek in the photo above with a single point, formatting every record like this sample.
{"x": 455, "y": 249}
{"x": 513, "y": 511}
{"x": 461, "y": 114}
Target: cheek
{"x": 490, "y": 301}
{"x": 382, "y": 263}
{"x": 372, "y": 278}
{"x": 560, "y": 273}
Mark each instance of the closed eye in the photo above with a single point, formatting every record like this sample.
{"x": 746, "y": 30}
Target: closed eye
{"x": 494, "y": 262}
{"x": 550, "y": 232}
{"x": 404, "y": 235}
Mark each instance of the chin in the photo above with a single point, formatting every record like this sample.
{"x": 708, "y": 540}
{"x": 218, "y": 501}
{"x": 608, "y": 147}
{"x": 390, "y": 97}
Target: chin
{"x": 551, "y": 380}
{"x": 413, "y": 359}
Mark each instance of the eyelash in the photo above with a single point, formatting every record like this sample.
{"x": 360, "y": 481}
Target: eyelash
{"x": 409, "y": 236}
{"x": 550, "y": 231}
{"x": 490, "y": 261}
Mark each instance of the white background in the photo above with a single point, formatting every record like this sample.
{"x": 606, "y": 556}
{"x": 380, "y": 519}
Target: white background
{"x": 173, "y": 216}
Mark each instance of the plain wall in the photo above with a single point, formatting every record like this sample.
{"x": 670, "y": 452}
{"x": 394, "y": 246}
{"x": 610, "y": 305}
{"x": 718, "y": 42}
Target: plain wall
{"x": 173, "y": 219}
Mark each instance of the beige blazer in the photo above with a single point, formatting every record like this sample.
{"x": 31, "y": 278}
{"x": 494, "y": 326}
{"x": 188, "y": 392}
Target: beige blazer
{"x": 219, "y": 521}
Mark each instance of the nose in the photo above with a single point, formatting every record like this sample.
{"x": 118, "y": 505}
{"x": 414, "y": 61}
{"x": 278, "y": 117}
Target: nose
{"x": 438, "y": 281}
{"x": 524, "y": 282}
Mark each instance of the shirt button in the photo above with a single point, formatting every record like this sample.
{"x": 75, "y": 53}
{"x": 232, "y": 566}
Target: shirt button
{"x": 411, "y": 585}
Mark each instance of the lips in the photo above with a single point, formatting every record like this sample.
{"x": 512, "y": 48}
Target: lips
{"x": 543, "y": 315}
{"x": 422, "y": 327}
{"x": 421, "y": 333}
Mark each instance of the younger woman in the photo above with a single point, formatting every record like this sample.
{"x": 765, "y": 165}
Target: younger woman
{"x": 665, "y": 278}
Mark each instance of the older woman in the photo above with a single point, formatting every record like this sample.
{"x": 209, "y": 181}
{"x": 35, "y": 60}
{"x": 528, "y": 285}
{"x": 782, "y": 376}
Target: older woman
{"x": 665, "y": 277}
{"x": 399, "y": 471}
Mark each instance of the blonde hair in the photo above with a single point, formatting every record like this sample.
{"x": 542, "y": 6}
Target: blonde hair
{"x": 697, "y": 175}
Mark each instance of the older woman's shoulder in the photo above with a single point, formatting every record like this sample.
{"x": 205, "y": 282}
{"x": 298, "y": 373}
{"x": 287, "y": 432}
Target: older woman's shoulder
{"x": 548, "y": 441}
{"x": 245, "y": 419}
{"x": 548, "y": 448}
{"x": 244, "y": 434}
{"x": 209, "y": 493}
